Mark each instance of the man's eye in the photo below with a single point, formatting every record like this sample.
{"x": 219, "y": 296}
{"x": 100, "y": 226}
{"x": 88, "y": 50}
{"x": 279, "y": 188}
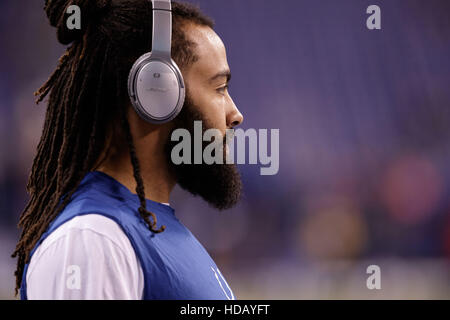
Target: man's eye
{"x": 223, "y": 89}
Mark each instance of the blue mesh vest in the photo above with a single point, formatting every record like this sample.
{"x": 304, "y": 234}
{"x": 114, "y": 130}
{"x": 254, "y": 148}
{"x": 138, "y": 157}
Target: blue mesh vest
{"x": 175, "y": 265}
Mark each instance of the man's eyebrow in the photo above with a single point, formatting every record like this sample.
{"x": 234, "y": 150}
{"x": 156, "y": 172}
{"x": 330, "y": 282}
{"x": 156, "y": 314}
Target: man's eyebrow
{"x": 224, "y": 73}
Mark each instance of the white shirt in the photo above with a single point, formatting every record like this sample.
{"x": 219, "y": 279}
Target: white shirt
{"x": 87, "y": 257}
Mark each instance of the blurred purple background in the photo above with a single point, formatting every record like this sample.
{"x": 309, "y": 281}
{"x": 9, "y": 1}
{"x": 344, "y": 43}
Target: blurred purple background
{"x": 364, "y": 119}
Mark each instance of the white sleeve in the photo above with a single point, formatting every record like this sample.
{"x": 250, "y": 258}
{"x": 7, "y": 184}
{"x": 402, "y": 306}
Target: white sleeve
{"x": 88, "y": 257}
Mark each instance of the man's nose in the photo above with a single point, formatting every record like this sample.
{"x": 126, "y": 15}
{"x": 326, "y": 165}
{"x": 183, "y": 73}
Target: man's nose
{"x": 235, "y": 117}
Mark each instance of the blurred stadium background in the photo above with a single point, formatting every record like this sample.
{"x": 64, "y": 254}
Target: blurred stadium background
{"x": 364, "y": 119}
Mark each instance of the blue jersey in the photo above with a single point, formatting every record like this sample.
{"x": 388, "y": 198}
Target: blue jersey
{"x": 174, "y": 264}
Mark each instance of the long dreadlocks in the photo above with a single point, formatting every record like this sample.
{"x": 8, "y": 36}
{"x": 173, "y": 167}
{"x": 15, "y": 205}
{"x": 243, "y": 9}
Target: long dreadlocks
{"x": 87, "y": 104}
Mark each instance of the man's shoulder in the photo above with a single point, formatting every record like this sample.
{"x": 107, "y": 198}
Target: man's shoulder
{"x": 87, "y": 224}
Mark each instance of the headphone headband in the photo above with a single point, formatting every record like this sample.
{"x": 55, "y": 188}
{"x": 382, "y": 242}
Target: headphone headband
{"x": 162, "y": 28}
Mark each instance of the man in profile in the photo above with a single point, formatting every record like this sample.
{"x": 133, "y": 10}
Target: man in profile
{"x": 98, "y": 224}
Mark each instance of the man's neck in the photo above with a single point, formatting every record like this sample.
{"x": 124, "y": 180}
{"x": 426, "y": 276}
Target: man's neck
{"x": 157, "y": 186}
{"x": 158, "y": 182}
{"x": 149, "y": 142}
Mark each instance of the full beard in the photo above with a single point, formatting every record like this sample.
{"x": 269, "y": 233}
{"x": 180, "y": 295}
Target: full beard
{"x": 219, "y": 185}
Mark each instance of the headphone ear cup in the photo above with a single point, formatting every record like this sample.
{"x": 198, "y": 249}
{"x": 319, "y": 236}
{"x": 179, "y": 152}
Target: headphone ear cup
{"x": 155, "y": 83}
{"x": 156, "y": 89}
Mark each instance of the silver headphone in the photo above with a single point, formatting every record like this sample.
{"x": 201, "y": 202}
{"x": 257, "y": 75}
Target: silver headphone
{"x": 155, "y": 83}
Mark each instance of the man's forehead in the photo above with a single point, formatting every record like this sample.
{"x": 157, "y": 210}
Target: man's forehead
{"x": 210, "y": 51}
